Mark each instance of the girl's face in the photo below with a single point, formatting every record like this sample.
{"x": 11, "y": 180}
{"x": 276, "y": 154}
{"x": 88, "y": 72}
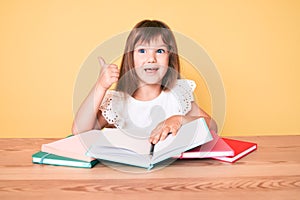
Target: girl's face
{"x": 151, "y": 61}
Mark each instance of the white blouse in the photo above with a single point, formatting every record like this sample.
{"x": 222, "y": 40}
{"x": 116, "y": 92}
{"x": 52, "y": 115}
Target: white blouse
{"x": 126, "y": 112}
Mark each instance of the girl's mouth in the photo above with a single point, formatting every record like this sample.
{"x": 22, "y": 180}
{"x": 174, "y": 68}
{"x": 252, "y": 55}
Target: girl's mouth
{"x": 151, "y": 69}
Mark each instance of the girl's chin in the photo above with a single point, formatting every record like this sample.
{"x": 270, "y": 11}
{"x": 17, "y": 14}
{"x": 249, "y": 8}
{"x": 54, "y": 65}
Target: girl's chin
{"x": 151, "y": 81}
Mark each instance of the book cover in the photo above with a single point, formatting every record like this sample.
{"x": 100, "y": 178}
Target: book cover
{"x": 240, "y": 148}
{"x": 216, "y": 147}
{"x": 51, "y": 159}
{"x": 70, "y": 147}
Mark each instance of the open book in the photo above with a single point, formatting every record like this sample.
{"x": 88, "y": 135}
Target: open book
{"x": 120, "y": 146}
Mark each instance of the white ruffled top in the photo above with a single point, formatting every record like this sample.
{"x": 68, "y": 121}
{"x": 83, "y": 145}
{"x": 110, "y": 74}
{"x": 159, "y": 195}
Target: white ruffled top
{"x": 125, "y": 112}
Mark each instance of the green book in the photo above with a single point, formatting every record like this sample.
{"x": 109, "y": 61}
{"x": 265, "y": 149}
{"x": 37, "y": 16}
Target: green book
{"x": 52, "y": 159}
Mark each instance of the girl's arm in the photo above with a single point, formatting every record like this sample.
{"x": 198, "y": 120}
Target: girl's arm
{"x": 197, "y": 112}
{"x": 173, "y": 124}
{"x": 88, "y": 116}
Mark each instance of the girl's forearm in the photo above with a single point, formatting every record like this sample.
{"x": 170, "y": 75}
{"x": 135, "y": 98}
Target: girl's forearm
{"x": 212, "y": 125}
{"x": 86, "y": 116}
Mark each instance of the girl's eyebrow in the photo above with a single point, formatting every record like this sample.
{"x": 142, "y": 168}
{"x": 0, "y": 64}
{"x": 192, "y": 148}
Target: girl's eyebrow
{"x": 152, "y": 46}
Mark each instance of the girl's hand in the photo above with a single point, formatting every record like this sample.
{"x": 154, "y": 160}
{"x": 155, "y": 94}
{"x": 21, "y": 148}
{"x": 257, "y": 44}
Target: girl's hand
{"x": 109, "y": 74}
{"x": 163, "y": 129}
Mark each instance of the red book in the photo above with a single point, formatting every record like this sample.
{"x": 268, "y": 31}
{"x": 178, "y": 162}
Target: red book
{"x": 216, "y": 147}
{"x": 240, "y": 148}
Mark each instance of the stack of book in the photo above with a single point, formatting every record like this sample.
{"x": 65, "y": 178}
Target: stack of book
{"x": 69, "y": 152}
{"x": 220, "y": 148}
{"x": 119, "y": 146}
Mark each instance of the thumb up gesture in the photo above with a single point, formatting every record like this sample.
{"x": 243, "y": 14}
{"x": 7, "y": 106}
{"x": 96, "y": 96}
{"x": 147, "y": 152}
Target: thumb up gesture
{"x": 109, "y": 74}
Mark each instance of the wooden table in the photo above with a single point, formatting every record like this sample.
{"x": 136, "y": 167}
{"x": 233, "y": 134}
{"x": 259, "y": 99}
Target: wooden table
{"x": 271, "y": 172}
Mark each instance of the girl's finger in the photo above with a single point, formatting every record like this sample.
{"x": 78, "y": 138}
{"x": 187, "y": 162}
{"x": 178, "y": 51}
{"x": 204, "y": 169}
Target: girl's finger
{"x": 102, "y": 62}
{"x": 174, "y": 130}
{"x": 154, "y": 139}
{"x": 165, "y": 133}
{"x": 113, "y": 67}
{"x": 115, "y": 79}
{"x": 115, "y": 74}
{"x": 155, "y": 136}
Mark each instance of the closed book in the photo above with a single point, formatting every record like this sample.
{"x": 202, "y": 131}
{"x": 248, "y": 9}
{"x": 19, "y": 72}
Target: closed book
{"x": 51, "y": 159}
{"x": 240, "y": 149}
{"x": 216, "y": 147}
{"x": 70, "y": 147}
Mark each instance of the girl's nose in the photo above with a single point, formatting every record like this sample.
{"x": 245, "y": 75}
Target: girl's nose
{"x": 151, "y": 57}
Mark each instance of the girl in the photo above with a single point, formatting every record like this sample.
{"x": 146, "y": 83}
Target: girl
{"x": 150, "y": 97}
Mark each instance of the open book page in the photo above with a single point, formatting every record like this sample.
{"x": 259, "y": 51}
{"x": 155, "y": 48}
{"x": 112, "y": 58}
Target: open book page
{"x": 120, "y": 155}
{"x": 120, "y": 146}
{"x": 124, "y": 139}
{"x": 189, "y": 136}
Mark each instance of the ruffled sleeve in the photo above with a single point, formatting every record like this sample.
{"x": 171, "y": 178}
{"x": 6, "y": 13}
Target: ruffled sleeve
{"x": 110, "y": 108}
{"x": 184, "y": 91}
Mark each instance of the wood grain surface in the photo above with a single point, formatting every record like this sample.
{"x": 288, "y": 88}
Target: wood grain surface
{"x": 271, "y": 172}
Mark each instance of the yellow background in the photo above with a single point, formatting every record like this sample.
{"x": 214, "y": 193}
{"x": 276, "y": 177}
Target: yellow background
{"x": 254, "y": 44}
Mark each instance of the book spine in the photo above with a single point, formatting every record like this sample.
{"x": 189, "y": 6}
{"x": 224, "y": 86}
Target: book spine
{"x": 43, "y": 158}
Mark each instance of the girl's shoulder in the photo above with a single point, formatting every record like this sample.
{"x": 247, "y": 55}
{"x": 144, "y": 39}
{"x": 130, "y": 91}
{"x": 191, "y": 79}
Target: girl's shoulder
{"x": 110, "y": 97}
{"x": 184, "y": 94}
{"x": 115, "y": 95}
{"x": 185, "y": 84}
{"x": 111, "y": 106}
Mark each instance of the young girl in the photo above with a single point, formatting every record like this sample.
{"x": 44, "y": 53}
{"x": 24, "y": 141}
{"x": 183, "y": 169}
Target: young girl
{"x": 150, "y": 98}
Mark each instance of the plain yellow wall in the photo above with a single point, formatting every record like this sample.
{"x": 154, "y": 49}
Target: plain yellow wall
{"x": 254, "y": 44}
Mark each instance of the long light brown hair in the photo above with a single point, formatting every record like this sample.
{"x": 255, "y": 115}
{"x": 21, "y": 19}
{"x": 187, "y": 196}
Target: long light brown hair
{"x": 144, "y": 32}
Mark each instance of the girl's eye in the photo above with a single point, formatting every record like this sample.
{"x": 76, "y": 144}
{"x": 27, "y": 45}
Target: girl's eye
{"x": 160, "y": 51}
{"x": 141, "y": 50}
